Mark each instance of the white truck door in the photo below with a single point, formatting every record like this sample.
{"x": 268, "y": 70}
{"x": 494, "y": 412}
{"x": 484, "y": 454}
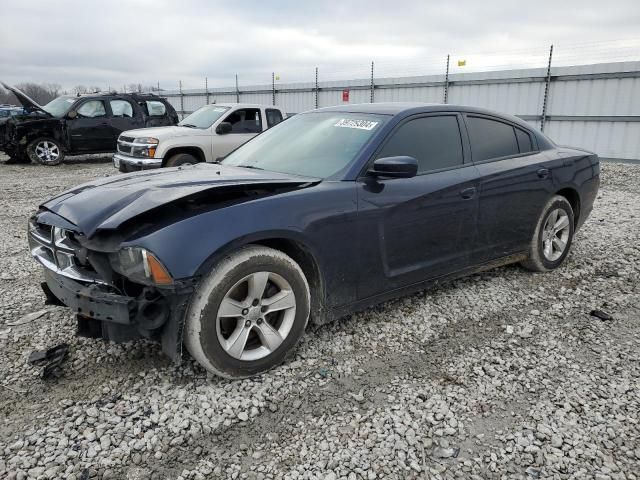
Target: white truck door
{"x": 246, "y": 123}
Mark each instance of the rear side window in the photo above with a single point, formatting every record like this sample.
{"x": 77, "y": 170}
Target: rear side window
{"x": 491, "y": 139}
{"x": 121, "y": 108}
{"x": 273, "y": 117}
{"x": 153, "y": 108}
{"x": 524, "y": 141}
{"x": 433, "y": 141}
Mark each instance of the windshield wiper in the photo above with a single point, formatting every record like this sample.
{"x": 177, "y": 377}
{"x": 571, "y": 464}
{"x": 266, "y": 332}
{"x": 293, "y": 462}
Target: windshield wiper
{"x": 188, "y": 125}
{"x": 250, "y": 166}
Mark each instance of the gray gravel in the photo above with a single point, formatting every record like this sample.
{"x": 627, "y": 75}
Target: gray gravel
{"x": 500, "y": 375}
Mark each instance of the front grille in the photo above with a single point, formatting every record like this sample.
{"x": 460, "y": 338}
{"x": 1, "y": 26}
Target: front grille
{"x": 126, "y": 139}
{"x": 55, "y": 249}
{"x": 124, "y": 148}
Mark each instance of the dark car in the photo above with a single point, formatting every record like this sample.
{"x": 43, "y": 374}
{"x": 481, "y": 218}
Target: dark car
{"x": 79, "y": 124}
{"x": 325, "y": 214}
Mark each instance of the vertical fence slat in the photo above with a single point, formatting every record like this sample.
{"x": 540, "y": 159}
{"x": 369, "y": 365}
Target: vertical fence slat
{"x": 546, "y": 91}
{"x": 446, "y": 82}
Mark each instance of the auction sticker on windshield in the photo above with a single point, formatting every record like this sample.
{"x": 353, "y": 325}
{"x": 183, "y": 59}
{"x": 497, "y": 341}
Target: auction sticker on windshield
{"x": 360, "y": 124}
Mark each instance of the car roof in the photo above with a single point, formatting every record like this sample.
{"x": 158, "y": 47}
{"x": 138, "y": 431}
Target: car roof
{"x": 411, "y": 108}
{"x": 242, "y": 105}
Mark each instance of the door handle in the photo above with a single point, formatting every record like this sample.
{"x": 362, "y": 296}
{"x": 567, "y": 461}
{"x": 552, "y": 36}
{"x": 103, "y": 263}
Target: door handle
{"x": 543, "y": 173}
{"x": 468, "y": 193}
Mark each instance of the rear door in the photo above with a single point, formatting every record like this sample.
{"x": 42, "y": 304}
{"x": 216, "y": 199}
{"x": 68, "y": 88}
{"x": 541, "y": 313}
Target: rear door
{"x": 515, "y": 183}
{"x": 91, "y": 131}
{"x": 413, "y": 229}
{"x": 125, "y": 115}
{"x": 246, "y": 123}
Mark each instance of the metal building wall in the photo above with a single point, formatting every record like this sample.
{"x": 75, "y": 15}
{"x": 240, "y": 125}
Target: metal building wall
{"x": 596, "y": 107}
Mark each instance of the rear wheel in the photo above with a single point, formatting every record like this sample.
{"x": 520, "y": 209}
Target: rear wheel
{"x": 181, "y": 159}
{"x": 45, "y": 151}
{"x": 248, "y": 313}
{"x": 552, "y": 237}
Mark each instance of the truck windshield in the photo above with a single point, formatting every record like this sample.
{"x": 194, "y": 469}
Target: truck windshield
{"x": 203, "y": 117}
{"x": 312, "y": 144}
{"x": 59, "y": 106}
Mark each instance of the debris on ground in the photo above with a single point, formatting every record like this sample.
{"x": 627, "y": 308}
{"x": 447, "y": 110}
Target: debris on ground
{"x": 52, "y": 359}
{"x": 604, "y": 316}
{"x": 28, "y": 318}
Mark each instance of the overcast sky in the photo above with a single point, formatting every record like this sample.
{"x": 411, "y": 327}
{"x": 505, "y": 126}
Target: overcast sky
{"x": 73, "y": 42}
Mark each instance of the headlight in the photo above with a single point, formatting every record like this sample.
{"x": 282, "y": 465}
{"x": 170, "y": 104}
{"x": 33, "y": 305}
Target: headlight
{"x": 140, "y": 266}
{"x": 147, "y": 147}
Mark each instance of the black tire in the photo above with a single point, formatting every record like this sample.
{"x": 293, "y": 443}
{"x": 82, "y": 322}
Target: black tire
{"x": 21, "y": 159}
{"x": 203, "y": 334}
{"x": 181, "y": 159}
{"x": 539, "y": 260}
{"x": 45, "y": 151}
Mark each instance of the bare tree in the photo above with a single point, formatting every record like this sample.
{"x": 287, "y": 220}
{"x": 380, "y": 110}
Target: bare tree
{"x": 79, "y": 89}
{"x": 40, "y": 93}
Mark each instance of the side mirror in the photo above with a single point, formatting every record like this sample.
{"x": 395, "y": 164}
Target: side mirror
{"x": 394, "y": 167}
{"x": 72, "y": 114}
{"x": 223, "y": 128}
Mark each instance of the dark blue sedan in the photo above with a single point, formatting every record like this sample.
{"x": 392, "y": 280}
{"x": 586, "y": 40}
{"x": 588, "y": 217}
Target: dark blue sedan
{"x": 327, "y": 213}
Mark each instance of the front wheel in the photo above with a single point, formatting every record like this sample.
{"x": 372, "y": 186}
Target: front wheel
{"x": 181, "y": 159}
{"x": 248, "y": 313}
{"x": 45, "y": 151}
{"x": 552, "y": 237}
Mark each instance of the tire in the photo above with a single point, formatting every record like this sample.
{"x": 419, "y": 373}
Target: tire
{"x": 181, "y": 159}
{"x": 21, "y": 159}
{"x": 546, "y": 251}
{"x": 223, "y": 309}
{"x": 45, "y": 151}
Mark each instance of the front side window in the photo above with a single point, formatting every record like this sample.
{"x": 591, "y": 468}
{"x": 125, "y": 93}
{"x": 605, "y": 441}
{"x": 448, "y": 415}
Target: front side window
{"x": 318, "y": 144}
{"x": 121, "y": 108}
{"x": 273, "y": 117}
{"x": 204, "y": 117}
{"x": 246, "y": 120}
{"x": 434, "y": 142}
{"x": 491, "y": 139}
{"x": 92, "y": 109}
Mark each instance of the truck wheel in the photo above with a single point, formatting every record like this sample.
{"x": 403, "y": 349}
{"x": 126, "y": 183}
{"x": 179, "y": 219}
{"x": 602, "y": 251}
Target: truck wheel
{"x": 45, "y": 151}
{"x": 248, "y": 314}
{"x": 181, "y": 159}
{"x": 552, "y": 237}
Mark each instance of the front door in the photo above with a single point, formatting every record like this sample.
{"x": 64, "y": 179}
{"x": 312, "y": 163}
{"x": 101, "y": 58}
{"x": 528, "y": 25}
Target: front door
{"x": 90, "y": 131}
{"x": 246, "y": 123}
{"x": 418, "y": 228}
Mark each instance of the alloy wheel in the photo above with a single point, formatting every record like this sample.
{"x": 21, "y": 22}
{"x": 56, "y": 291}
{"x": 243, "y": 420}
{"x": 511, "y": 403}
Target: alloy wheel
{"x": 47, "y": 151}
{"x": 256, "y": 316}
{"x": 555, "y": 234}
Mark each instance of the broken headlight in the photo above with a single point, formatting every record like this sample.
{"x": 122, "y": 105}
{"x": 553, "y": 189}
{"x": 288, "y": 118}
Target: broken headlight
{"x": 140, "y": 266}
{"x": 144, "y": 147}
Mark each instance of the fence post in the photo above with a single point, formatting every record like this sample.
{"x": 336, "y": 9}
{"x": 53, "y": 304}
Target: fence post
{"x": 206, "y": 88}
{"x": 181, "y": 100}
{"x": 273, "y": 88}
{"x": 546, "y": 91}
{"x": 316, "y": 88}
{"x": 446, "y": 82}
{"x": 372, "y": 86}
{"x": 237, "y": 90}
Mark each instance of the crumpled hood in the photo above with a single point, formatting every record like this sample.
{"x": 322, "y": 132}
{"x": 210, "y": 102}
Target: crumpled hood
{"x": 108, "y": 203}
{"x": 27, "y": 102}
{"x": 162, "y": 133}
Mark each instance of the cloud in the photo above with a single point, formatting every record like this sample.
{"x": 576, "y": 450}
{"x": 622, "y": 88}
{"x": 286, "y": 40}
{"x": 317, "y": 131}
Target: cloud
{"x": 143, "y": 41}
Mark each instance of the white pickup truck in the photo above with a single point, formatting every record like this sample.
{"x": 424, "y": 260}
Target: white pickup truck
{"x": 206, "y": 135}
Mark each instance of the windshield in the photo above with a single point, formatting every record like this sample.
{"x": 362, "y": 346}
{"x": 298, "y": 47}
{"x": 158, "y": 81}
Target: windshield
{"x": 313, "y": 144}
{"x": 203, "y": 117}
{"x": 60, "y": 105}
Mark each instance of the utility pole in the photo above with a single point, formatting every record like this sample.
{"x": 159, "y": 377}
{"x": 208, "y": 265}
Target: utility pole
{"x": 446, "y": 82}
{"x": 547, "y": 86}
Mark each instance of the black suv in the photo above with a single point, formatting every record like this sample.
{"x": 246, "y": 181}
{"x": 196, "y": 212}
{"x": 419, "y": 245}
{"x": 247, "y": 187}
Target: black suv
{"x": 78, "y": 124}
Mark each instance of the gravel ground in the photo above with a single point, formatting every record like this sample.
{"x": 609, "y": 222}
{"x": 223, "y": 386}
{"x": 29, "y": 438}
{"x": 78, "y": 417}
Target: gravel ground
{"x": 503, "y": 374}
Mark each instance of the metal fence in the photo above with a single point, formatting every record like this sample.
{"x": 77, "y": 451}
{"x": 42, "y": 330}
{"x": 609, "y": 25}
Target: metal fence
{"x": 595, "y": 106}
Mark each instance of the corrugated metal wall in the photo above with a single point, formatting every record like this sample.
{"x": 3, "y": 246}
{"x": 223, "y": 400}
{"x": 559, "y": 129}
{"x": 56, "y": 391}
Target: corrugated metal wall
{"x": 596, "y": 107}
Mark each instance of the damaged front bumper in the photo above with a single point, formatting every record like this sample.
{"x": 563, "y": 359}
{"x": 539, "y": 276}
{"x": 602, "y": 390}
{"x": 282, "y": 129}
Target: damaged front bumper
{"x": 116, "y": 311}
